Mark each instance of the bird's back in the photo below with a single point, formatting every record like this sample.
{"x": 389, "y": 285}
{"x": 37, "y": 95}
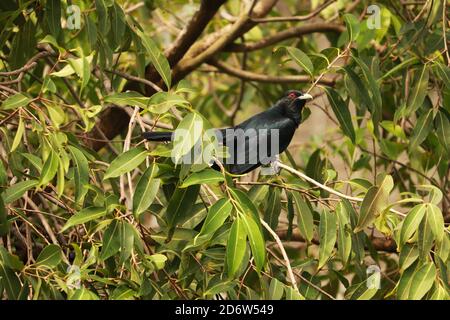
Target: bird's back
{"x": 256, "y": 140}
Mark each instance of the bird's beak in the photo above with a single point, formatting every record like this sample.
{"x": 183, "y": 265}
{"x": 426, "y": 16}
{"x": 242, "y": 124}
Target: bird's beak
{"x": 306, "y": 96}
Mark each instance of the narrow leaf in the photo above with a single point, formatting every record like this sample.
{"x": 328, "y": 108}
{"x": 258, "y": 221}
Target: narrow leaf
{"x": 327, "y": 232}
{"x": 125, "y": 162}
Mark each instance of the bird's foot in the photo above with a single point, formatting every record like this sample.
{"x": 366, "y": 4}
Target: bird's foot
{"x": 273, "y": 167}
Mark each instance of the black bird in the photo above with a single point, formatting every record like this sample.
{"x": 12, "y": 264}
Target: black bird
{"x": 258, "y": 140}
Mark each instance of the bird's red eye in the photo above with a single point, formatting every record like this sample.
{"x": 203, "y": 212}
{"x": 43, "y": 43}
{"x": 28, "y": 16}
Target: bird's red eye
{"x": 292, "y": 95}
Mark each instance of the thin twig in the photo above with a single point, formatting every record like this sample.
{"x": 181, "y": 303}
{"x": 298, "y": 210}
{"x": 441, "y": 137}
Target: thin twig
{"x": 136, "y": 79}
{"x": 296, "y": 18}
{"x": 283, "y": 252}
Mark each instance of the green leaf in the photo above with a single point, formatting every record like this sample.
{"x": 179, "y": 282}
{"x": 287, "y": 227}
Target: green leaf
{"x": 425, "y": 238}
{"x": 91, "y": 30}
{"x": 50, "y": 256}
{"x": 180, "y": 204}
{"x": 422, "y": 281}
{"x": 405, "y": 281}
{"x": 161, "y": 102}
{"x": 345, "y": 232}
{"x": 362, "y": 291}
{"x": 146, "y": 190}
{"x": 291, "y": 294}
{"x": 276, "y": 289}
{"x": 352, "y": 24}
{"x": 64, "y": 72}
{"x": 435, "y": 220}
{"x": 342, "y": 113}
{"x": 16, "y": 101}
{"x": 129, "y": 98}
{"x": 418, "y": 91}
{"x": 17, "y": 190}
{"x": 327, "y": 232}
{"x": 442, "y": 124}
{"x": 34, "y": 160}
{"x": 10, "y": 282}
{"x": 10, "y": 260}
{"x": 127, "y": 235}
{"x": 81, "y": 173}
{"x": 83, "y": 294}
{"x": 408, "y": 255}
{"x": 273, "y": 208}
{"x": 60, "y": 179}
{"x": 400, "y": 66}
{"x": 217, "y": 215}
{"x": 236, "y": 246}
{"x": 421, "y": 130}
{"x": 256, "y": 240}
{"x": 159, "y": 260}
{"x": 374, "y": 203}
{"x": 412, "y": 222}
{"x": 83, "y": 216}
{"x": 186, "y": 135}
{"x": 374, "y": 90}
{"x": 434, "y": 193}
{"x": 19, "y": 135}
{"x": 82, "y": 68}
{"x": 53, "y": 16}
{"x": 361, "y": 95}
{"x": 118, "y": 24}
{"x": 300, "y": 58}
{"x": 157, "y": 58}
{"x": 305, "y": 220}
{"x": 50, "y": 168}
{"x": 111, "y": 240}
{"x": 207, "y": 176}
{"x": 102, "y": 14}
{"x": 125, "y": 162}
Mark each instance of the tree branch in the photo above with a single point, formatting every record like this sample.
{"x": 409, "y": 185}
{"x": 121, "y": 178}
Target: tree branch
{"x": 378, "y": 243}
{"x": 284, "y": 35}
{"x": 251, "y": 76}
{"x": 206, "y": 49}
{"x": 187, "y": 37}
{"x": 310, "y": 15}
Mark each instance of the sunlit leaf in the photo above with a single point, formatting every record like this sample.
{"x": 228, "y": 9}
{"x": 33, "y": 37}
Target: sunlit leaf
{"x": 146, "y": 190}
{"x": 125, "y": 162}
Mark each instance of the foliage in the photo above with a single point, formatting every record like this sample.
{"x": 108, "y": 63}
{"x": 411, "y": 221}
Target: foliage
{"x": 88, "y": 211}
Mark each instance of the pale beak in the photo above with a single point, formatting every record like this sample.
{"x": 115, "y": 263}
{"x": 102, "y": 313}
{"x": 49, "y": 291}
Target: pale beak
{"x": 306, "y": 96}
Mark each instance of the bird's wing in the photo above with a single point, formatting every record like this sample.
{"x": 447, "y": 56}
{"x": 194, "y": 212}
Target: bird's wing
{"x": 256, "y": 143}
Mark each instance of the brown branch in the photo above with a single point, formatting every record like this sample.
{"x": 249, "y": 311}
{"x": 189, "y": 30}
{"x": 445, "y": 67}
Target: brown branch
{"x": 186, "y": 38}
{"x": 206, "y": 49}
{"x": 379, "y": 244}
{"x": 28, "y": 66}
{"x": 135, "y": 79}
{"x": 251, "y": 76}
{"x": 284, "y": 35}
{"x": 296, "y": 18}
{"x": 193, "y": 30}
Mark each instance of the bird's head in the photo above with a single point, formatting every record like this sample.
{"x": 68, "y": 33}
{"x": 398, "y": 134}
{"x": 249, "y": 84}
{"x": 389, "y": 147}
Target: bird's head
{"x": 294, "y": 101}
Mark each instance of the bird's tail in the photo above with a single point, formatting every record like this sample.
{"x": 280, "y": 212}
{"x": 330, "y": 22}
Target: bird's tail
{"x": 157, "y": 136}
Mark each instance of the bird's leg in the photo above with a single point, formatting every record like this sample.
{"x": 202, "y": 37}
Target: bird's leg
{"x": 273, "y": 167}
{"x": 275, "y": 164}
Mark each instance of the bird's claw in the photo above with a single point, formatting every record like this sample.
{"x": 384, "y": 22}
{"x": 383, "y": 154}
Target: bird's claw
{"x": 273, "y": 167}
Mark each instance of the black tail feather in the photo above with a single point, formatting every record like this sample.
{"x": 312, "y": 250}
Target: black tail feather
{"x": 157, "y": 136}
